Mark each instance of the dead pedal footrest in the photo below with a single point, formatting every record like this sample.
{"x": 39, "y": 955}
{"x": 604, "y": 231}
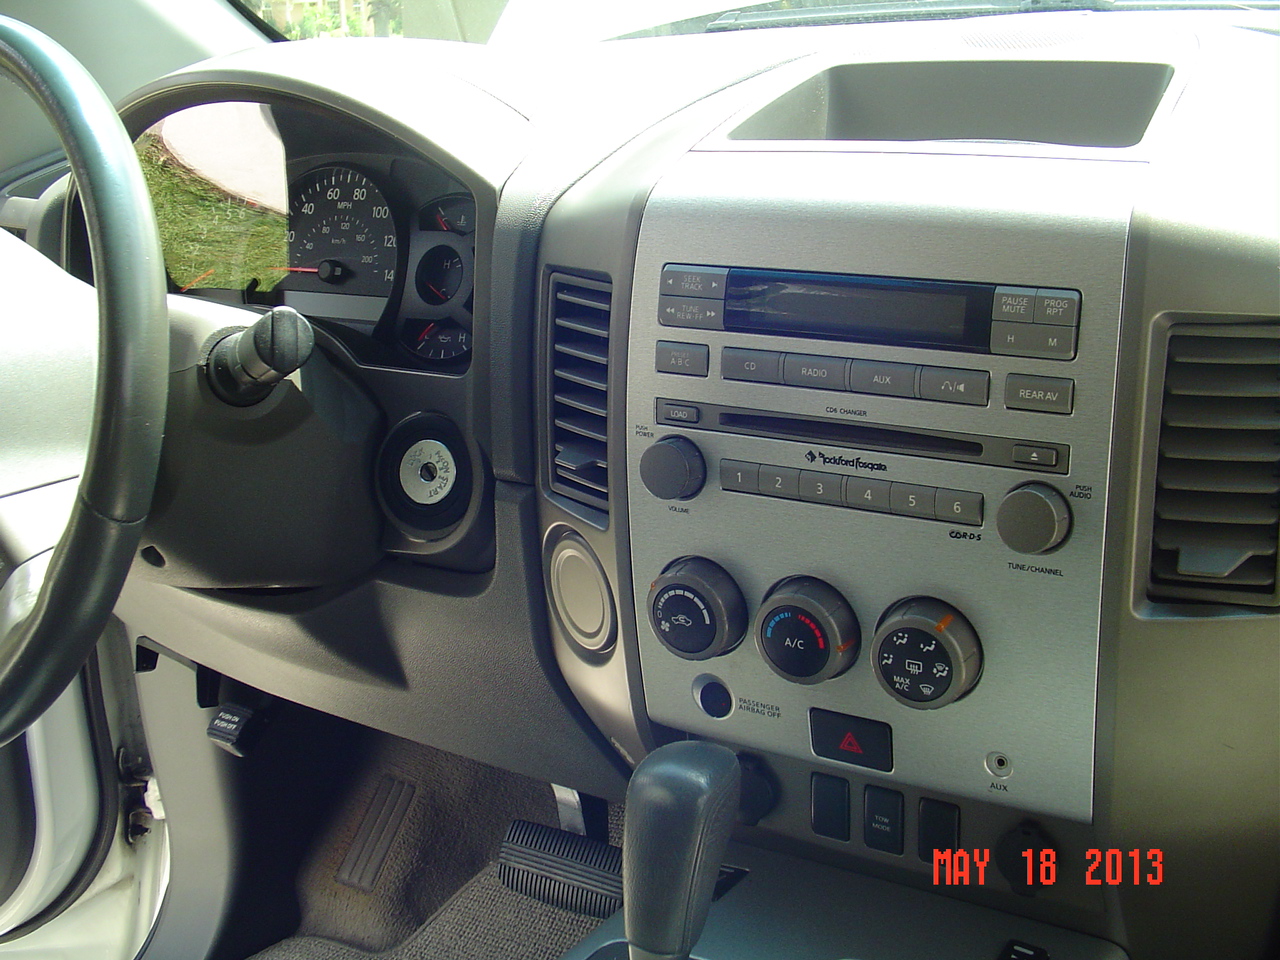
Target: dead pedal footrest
{"x": 560, "y": 868}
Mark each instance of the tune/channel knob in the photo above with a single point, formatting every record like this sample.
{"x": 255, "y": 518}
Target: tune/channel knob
{"x": 806, "y": 630}
{"x": 1033, "y": 518}
{"x": 696, "y": 609}
{"x": 926, "y": 654}
{"x": 673, "y": 469}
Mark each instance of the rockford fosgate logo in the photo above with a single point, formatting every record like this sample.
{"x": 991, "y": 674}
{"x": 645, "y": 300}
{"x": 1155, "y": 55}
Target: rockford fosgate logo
{"x": 813, "y": 456}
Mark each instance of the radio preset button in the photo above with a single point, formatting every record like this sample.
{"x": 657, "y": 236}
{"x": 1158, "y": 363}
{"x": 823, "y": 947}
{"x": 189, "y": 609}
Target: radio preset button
{"x": 780, "y": 482}
{"x": 912, "y": 500}
{"x": 687, "y": 359}
{"x": 1044, "y": 394}
{"x": 888, "y": 379}
{"x": 1014, "y": 303}
{"x": 819, "y": 487}
{"x": 691, "y": 312}
{"x": 955, "y": 386}
{"x": 740, "y": 476}
{"x": 1044, "y": 340}
{"x": 705, "y": 282}
{"x": 959, "y": 506}
{"x": 1061, "y": 307}
{"x": 862, "y": 494}
{"x": 759, "y": 366}
{"x": 825, "y": 373}
{"x": 669, "y": 412}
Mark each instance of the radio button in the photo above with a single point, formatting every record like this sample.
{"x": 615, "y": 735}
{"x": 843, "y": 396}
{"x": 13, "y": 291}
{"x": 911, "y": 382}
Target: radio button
{"x": 825, "y": 373}
{"x": 864, "y": 494}
{"x": 959, "y": 506}
{"x": 1061, "y": 307}
{"x": 691, "y": 312}
{"x": 1044, "y": 394}
{"x": 759, "y": 366}
{"x": 687, "y": 359}
{"x": 780, "y": 482}
{"x": 819, "y": 487}
{"x": 739, "y": 476}
{"x": 889, "y": 379}
{"x": 955, "y": 386}
{"x": 1043, "y": 340}
{"x": 680, "y": 281}
{"x": 911, "y": 500}
{"x": 1014, "y": 303}
{"x": 669, "y": 412}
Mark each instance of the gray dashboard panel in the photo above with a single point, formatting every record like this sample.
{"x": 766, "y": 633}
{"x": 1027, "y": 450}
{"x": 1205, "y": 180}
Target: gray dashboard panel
{"x": 906, "y": 216}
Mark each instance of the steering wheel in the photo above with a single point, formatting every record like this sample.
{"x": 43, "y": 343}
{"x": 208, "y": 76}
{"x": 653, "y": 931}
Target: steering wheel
{"x": 54, "y": 606}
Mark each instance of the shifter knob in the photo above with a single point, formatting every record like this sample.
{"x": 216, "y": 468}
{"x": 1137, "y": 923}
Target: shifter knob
{"x": 682, "y": 803}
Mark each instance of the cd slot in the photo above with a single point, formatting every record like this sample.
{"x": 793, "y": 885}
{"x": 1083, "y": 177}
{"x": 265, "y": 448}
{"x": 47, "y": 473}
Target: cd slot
{"x": 1021, "y": 454}
{"x": 844, "y": 434}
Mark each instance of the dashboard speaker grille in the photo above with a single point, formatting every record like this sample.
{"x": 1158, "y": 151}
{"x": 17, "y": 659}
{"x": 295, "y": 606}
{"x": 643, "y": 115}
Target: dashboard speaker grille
{"x": 580, "y": 389}
{"x": 1216, "y": 529}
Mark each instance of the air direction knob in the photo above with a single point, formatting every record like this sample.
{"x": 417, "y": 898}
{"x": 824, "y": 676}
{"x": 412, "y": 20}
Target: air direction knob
{"x": 926, "y": 653}
{"x": 807, "y": 631}
{"x": 673, "y": 468}
{"x": 696, "y": 609}
{"x": 1033, "y": 518}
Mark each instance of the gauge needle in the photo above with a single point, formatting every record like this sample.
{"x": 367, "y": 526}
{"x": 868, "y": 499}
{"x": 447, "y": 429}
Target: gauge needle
{"x": 197, "y": 280}
{"x": 443, "y": 223}
{"x": 426, "y": 331}
{"x": 437, "y": 292}
{"x": 298, "y": 269}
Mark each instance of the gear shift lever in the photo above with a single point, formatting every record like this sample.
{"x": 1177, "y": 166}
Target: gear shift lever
{"x": 682, "y": 803}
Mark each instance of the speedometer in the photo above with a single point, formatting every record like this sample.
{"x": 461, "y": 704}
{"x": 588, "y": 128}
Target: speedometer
{"x": 343, "y": 246}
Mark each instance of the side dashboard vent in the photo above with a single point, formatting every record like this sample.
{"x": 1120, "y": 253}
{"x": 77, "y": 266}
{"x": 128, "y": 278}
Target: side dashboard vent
{"x": 1216, "y": 529}
{"x": 580, "y": 389}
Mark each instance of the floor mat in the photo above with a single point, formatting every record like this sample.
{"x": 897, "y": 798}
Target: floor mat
{"x": 483, "y": 921}
{"x": 419, "y": 826}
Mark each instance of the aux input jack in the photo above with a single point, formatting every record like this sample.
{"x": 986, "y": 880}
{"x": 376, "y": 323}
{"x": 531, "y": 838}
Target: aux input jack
{"x": 999, "y": 764}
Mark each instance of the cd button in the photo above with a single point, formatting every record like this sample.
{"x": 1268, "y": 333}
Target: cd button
{"x": 704, "y": 282}
{"x": 955, "y": 386}
{"x": 1061, "y": 307}
{"x": 780, "y": 482}
{"x": 802, "y": 370}
{"x": 889, "y": 379}
{"x": 911, "y": 500}
{"x": 740, "y": 476}
{"x": 864, "y": 494}
{"x": 819, "y": 487}
{"x": 761, "y": 366}
{"x": 1014, "y": 303}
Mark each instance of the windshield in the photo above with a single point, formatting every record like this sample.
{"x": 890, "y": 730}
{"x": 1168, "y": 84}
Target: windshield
{"x": 517, "y": 21}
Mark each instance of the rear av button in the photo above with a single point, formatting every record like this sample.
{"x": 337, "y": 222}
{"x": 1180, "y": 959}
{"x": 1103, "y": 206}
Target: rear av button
{"x": 1023, "y": 391}
{"x": 853, "y": 740}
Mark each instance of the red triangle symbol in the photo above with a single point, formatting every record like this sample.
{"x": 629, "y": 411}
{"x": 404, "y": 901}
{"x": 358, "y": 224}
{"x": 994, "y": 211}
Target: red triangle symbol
{"x": 850, "y": 743}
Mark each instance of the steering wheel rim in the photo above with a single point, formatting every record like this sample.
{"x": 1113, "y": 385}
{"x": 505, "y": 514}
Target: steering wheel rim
{"x": 51, "y": 622}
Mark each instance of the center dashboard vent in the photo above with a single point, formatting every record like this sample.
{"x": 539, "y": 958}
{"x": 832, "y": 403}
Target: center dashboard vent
{"x": 1216, "y": 533}
{"x": 579, "y": 310}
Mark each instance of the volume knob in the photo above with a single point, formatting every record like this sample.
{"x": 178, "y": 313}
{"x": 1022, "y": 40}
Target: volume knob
{"x": 673, "y": 469}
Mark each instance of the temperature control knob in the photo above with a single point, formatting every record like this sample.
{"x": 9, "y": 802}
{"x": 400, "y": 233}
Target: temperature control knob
{"x": 926, "y": 654}
{"x": 1033, "y": 518}
{"x": 696, "y": 609}
{"x": 807, "y": 631}
{"x": 673, "y": 469}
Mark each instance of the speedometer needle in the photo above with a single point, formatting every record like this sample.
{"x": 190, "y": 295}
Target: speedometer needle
{"x": 298, "y": 269}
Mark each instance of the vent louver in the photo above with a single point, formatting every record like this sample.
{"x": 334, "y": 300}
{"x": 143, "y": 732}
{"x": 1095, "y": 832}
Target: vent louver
{"x": 1217, "y": 511}
{"x": 580, "y": 389}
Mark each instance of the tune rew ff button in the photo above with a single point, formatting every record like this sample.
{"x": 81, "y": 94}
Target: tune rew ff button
{"x": 696, "y": 609}
{"x": 926, "y": 654}
{"x": 806, "y": 631}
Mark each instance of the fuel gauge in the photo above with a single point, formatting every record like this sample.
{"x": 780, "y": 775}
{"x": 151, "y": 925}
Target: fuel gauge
{"x": 436, "y": 340}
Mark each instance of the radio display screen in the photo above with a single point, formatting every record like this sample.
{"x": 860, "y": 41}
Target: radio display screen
{"x": 874, "y": 309}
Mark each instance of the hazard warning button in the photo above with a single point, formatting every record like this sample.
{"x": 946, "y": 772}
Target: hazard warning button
{"x": 855, "y": 740}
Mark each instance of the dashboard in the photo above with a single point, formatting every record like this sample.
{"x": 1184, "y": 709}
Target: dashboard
{"x": 859, "y": 399}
